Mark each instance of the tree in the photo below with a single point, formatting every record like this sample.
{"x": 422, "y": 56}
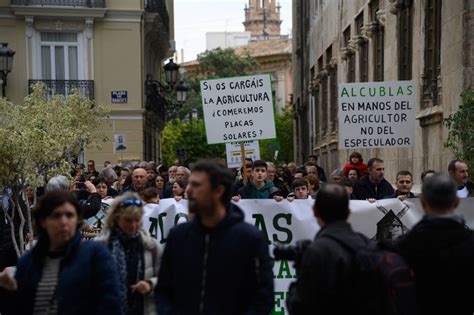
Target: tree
{"x": 460, "y": 125}
{"x": 223, "y": 63}
{"x": 284, "y": 141}
{"x": 40, "y": 139}
{"x": 190, "y": 136}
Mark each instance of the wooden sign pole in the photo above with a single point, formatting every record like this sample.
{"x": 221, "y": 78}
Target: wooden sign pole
{"x": 244, "y": 165}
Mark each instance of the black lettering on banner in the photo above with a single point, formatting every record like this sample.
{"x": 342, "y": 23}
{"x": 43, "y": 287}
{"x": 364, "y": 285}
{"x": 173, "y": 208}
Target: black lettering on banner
{"x": 279, "y": 228}
{"x": 161, "y": 217}
{"x": 178, "y": 216}
{"x": 153, "y": 230}
{"x": 260, "y": 224}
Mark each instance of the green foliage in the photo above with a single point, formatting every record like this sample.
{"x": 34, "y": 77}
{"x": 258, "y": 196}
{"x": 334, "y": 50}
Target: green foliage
{"x": 284, "y": 141}
{"x": 222, "y": 63}
{"x": 41, "y": 137}
{"x": 461, "y": 125}
{"x": 190, "y": 136}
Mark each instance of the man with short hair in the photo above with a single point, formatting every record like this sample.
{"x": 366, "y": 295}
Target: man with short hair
{"x": 231, "y": 271}
{"x": 239, "y": 183}
{"x": 459, "y": 172}
{"x": 373, "y": 186}
{"x": 326, "y": 265}
{"x": 336, "y": 176}
{"x": 172, "y": 174}
{"x": 139, "y": 181}
{"x": 259, "y": 187}
{"x": 183, "y": 173}
{"x": 300, "y": 189}
{"x": 404, "y": 185}
{"x": 313, "y": 160}
{"x": 440, "y": 250}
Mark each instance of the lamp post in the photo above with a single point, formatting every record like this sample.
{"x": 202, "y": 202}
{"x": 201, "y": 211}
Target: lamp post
{"x": 6, "y": 62}
{"x": 171, "y": 72}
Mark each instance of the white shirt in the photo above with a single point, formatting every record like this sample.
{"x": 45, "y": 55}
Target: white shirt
{"x": 463, "y": 193}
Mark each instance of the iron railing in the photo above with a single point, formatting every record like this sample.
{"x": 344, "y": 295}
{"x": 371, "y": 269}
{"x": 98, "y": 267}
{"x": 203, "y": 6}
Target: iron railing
{"x": 159, "y": 6}
{"x": 61, "y": 3}
{"x": 66, "y": 87}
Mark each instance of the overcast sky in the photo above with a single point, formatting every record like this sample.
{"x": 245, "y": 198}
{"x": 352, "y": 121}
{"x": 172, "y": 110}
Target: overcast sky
{"x": 193, "y": 18}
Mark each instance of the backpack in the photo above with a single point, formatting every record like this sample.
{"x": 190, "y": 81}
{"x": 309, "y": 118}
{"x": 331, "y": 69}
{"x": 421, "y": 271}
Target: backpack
{"x": 381, "y": 282}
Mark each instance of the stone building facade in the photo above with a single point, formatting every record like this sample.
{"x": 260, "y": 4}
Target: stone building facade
{"x": 340, "y": 41}
{"x": 99, "y": 47}
{"x": 262, "y": 19}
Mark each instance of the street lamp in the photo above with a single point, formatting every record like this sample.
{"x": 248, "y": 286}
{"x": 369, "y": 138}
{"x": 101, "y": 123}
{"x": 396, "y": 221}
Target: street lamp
{"x": 171, "y": 72}
{"x": 181, "y": 92}
{"x": 6, "y": 61}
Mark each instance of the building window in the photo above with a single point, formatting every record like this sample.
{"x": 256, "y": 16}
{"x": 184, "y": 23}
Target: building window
{"x": 432, "y": 52}
{"x": 314, "y": 97}
{"x": 333, "y": 106}
{"x": 363, "y": 50}
{"x": 378, "y": 42}
{"x": 405, "y": 41}
{"x": 349, "y": 55}
{"x": 59, "y": 56}
{"x": 323, "y": 105}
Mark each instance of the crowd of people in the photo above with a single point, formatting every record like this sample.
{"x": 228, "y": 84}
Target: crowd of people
{"x": 215, "y": 263}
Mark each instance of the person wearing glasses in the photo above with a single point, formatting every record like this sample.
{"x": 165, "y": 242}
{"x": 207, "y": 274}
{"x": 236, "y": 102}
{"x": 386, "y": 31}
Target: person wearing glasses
{"x": 135, "y": 252}
{"x": 61, "y": 274}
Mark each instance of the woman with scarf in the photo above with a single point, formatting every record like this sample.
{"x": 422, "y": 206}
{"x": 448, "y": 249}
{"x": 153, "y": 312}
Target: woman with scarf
{"x": 136, "y": 254}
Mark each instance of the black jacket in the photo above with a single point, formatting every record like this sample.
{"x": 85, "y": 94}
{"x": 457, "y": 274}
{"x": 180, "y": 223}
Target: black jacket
{"x": 364, "y": 189}
{"x": 441, "y": 252}
{"x": 322, "y": 176}
{"x": 324, "y": 269}
{"x": 233, "y": 259}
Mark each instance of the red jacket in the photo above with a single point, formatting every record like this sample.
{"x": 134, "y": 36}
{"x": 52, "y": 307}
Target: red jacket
{"x": 361, "y": 167}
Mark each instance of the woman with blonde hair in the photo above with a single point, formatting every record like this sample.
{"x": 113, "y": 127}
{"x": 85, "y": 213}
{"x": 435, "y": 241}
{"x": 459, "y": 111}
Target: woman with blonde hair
{"x": 135, "y": 252}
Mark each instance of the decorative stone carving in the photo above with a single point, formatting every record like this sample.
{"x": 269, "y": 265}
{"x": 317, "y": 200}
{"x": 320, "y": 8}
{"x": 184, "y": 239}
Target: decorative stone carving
{"x": 381, "y": 17}
{"x": 395, "y": 6}
{"x": 29, "y": 26}
{"x": 332, "y": 64}
{"x": 89, "y": 24}
{"x": 59, "y": 25}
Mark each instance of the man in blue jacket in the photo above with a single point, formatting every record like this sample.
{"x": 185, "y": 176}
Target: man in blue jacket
{"x": 216, "y": 263}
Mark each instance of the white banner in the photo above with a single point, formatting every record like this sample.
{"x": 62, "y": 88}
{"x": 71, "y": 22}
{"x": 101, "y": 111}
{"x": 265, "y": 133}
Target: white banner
{"x": 377, "y": 114}
{"x": 287, "y": 222}
{"x": 238, "y": 109}
{"x": 234, "y": 154}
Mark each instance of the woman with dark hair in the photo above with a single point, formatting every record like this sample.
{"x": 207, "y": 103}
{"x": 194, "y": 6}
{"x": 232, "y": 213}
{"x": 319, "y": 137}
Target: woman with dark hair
{"x": 356, "y": 161}
{"x": 179, "y": 188}
{"x": 160, "y": 185}
{"x": 62, "y": 274}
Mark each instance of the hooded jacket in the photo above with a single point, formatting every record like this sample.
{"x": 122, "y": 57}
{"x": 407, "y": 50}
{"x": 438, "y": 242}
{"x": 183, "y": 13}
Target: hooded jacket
{"x": 361, "y": 167}
{"x": 440, "y": 251}
{"x": 325, "y": 268}
{"x": 219, "y": 271}
{"x": 250, "y": 191}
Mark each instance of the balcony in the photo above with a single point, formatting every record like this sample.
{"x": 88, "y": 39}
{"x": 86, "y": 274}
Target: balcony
{"x": 66, "y": 87}
{"x": 159, "y": 6}
{"x": 60, "y": 3}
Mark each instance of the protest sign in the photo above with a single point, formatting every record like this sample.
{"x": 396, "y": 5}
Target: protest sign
{"x": 287, "y": 222}
{"x": 120, "y": 144}
{"x": 234, "y": 156}
{"x": 238, "y": 109}
{"x": 377, "y": 114}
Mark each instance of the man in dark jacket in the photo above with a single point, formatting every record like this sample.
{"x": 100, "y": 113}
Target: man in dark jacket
{"x": 440, "y": 249}
{"x": 373, "y": 185}
{"x": 326, "y": 265}
{"x": 313, "y": 160}
{"x": 404, "y": 185}
{"x": 216, "y": 263}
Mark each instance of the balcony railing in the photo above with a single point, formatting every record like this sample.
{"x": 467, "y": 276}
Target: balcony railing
{"x": 66, "y": 87}
{"x": 61, "y": 3}
{"x": 159, "y": 6}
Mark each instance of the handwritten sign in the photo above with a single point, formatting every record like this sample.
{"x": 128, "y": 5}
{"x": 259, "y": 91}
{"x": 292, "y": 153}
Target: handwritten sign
{"x": 377, "y": 114}
{"x": 234, "y": 154}
{"x": 238, "y": 109}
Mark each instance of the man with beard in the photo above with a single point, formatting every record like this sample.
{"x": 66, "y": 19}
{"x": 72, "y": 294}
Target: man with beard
{"x": 373, "y": 186}
{"x": 215, "y": 263}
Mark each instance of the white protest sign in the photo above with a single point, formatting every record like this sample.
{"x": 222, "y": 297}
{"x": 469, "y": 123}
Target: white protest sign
{"x": 238, "y": 109}
{"x": 120, "y": 144}
{"x": 377, "y": 114}
{"x": 234, "y": 154}
{"x": 287, "y": 222}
